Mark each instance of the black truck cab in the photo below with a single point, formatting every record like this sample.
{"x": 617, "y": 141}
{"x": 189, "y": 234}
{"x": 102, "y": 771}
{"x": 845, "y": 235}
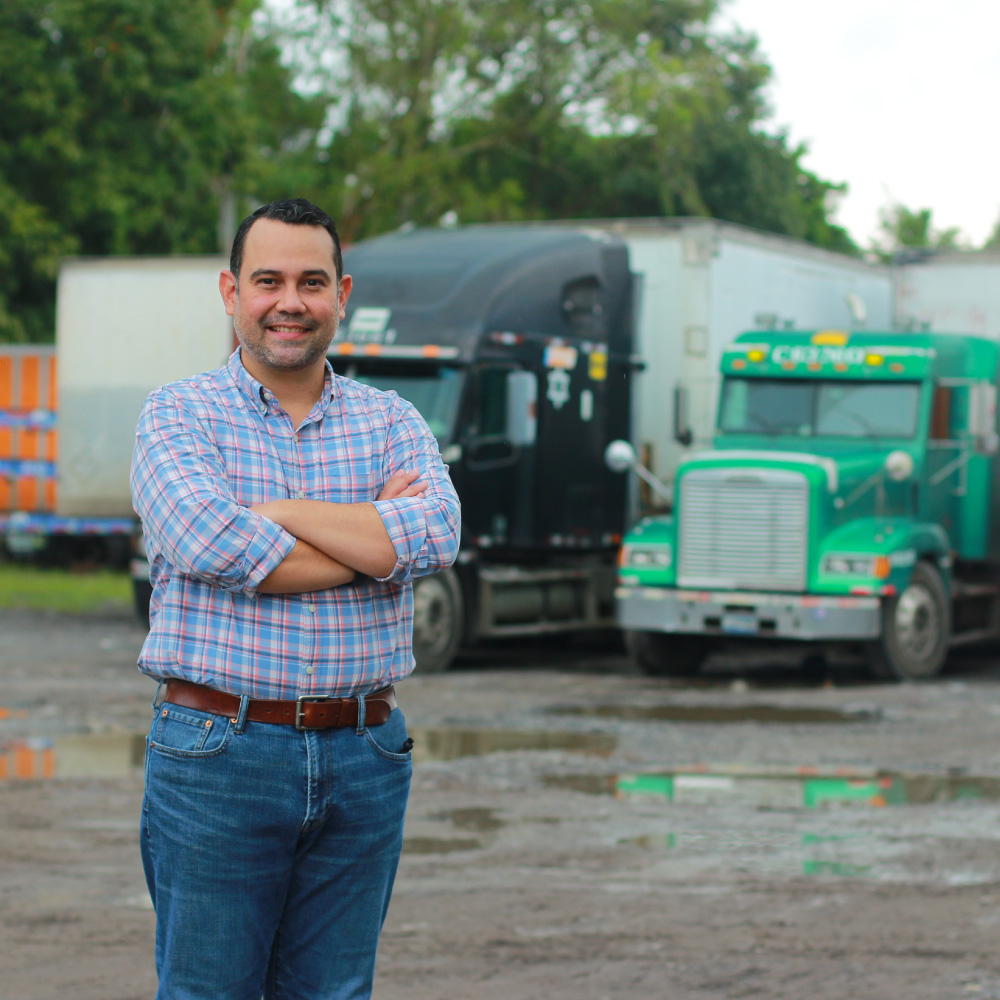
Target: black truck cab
{"x": 516, "y": 345}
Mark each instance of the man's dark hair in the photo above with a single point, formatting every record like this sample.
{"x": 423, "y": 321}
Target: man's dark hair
{"x": 294, "y": 211}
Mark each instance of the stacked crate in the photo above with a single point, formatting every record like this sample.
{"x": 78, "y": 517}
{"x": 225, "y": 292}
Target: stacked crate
{"x": 27, "y": 428}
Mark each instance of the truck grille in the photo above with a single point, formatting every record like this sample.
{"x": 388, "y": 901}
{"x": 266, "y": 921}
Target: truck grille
{"x": 743, "y": 528}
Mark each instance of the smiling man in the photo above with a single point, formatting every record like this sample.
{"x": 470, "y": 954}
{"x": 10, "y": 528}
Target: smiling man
{"x": 286, "y": 512}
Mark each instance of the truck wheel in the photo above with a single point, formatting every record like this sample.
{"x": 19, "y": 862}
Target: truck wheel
{"x": 665, "y": 654}
{"x": 916, "y": 627}
{"x": 438, "y": 621}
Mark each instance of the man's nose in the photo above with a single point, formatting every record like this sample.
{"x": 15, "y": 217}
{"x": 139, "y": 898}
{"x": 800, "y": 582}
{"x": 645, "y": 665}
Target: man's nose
{"x": 290, "y": 301}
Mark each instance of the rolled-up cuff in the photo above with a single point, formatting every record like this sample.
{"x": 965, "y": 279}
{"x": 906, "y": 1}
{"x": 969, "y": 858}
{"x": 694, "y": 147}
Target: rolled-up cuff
{"x": 406, "y": 524}
{"x": 268, "y": 548}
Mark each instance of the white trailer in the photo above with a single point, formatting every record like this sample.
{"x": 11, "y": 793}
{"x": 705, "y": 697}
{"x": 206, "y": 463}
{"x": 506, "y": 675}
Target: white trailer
{"x": 949, "y": 292}
{"x": 704, "y": 282}
{"x": 125, "y": 325}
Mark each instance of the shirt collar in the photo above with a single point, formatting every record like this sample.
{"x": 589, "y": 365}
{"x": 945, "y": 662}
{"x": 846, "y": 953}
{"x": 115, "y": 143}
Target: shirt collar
{"x": 262, "y": 399}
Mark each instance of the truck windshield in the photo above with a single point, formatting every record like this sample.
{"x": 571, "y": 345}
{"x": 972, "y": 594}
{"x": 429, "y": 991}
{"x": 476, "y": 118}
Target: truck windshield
{"x": 813, "y": 408}
{"x": 433, "y": 389}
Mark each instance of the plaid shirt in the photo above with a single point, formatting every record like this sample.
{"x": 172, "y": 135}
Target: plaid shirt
{"x": 207, "y": 449}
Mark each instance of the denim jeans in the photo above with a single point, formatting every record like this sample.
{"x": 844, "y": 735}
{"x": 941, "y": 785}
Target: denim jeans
{"x": 270, "y": 854}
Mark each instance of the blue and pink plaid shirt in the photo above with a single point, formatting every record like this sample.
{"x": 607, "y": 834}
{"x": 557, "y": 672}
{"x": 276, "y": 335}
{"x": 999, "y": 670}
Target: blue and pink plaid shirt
{"x": 208, "y": 448}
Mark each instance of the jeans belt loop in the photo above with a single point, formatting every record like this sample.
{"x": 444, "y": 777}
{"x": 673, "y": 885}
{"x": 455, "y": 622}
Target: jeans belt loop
{"x": 156, "y": 695}
{"x": 361, "y": 714}
{"x": 241, "y": 716}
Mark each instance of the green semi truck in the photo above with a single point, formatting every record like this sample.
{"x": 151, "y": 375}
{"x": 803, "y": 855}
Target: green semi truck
{"x": 850, "y": 498}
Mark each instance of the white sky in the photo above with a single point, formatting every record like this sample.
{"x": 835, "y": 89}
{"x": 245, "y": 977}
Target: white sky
{"x": 899, "y": 98}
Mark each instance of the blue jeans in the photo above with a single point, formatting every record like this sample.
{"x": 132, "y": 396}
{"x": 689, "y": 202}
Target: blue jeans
{"x": 270, "y": 854}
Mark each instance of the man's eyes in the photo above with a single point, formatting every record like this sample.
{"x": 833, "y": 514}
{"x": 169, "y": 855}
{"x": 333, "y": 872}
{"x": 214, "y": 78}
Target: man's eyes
{"x": 308, "y": 283}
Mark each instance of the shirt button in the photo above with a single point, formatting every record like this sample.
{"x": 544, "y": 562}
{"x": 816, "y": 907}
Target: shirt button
{"x": 312, "y": 607}
{"x": 309, "y": 670}
{"x": 301, "y": 494}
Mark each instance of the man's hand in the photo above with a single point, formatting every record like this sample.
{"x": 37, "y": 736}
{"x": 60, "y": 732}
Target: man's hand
{"x": 402, "y": 484}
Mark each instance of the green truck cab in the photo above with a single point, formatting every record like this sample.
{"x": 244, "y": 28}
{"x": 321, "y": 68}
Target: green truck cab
{"x": 848, "y": 499}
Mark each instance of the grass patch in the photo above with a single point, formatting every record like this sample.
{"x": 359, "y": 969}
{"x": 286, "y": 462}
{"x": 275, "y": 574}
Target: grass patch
{"x": 31, "y": 588}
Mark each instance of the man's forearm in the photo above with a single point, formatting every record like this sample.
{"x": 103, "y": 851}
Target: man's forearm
{"x": 349, "y": 533}
{"x": 304, "y": 570}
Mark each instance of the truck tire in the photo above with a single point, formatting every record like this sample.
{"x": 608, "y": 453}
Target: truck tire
{"x": 916, "y": 630}
{"x": 438, "y": 621}
{"x": 666, "y": 654}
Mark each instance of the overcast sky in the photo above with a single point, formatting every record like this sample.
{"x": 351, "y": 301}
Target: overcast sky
{"x": 899, "y": 98}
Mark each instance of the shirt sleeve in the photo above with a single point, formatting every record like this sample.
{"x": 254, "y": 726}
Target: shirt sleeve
{"x": 181, "y": 492}
{"x": 424, "y": 530}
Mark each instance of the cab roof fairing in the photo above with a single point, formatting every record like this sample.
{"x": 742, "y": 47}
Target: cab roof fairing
{"x": 450, "y": 287}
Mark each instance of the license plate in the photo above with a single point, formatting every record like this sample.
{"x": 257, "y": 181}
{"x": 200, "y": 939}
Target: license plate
{"x": 740, "y": 623}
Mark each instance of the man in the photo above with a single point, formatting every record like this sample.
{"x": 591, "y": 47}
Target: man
{"x": 286, "y": 511}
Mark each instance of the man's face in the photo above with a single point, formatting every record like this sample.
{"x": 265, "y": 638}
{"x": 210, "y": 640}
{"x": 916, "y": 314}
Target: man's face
{"x": 288, "y": 302}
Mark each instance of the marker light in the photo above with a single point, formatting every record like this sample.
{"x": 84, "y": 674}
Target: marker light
{"x": 739, "y": 363}
{"x": 756, "y": 355}
{"x": 874, "y": 359}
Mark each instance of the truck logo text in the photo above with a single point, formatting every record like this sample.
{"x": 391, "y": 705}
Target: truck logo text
{"x": 817, "y": 354}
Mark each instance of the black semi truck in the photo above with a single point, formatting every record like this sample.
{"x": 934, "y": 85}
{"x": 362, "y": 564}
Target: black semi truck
{"x": 516, "y": 344}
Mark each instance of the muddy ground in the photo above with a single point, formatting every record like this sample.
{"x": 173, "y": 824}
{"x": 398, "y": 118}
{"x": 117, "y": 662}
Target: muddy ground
{"x": 576, "y": 831}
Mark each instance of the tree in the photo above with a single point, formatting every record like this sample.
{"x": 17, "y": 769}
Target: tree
{"x": 127, "y": 123}
{"x": 506, "y": 109}
{"x": 904, "y": 229}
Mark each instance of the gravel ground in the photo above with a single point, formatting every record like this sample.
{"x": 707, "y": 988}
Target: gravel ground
{"x": 575, "y": 830}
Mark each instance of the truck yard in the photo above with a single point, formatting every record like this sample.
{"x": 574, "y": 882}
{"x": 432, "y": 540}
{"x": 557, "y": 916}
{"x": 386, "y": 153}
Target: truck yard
{"x": 576, "y": 830}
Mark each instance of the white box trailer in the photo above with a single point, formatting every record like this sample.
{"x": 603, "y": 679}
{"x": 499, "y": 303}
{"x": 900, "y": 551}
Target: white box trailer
{"x": 702, "y": 283}
{"x": 949, "y": 292}
{"x": 125, "y": 325}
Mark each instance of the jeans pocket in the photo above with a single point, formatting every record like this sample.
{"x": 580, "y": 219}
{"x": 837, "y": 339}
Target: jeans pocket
{"x": 390, "y": 739}
{"x": 190, "y": 733}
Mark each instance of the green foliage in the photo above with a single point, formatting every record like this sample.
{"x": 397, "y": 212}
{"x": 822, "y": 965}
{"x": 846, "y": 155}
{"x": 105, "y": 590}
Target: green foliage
{"x": 149, "y": 126}
{"x": 553, "y": 109}
{"x": 904, "y": 229}
{"x": 126, "y": 124}
{"x": 30, "y": 588}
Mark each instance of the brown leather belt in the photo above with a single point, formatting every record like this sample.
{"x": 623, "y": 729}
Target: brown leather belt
{"x": 307, "y": 712}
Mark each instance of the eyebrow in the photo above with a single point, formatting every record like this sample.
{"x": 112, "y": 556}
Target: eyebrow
{"x": 317, "y": 272}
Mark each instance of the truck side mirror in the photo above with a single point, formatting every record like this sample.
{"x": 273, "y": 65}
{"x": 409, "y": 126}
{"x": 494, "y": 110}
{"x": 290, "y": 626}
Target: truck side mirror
{"x": 619, "y": 456}
{"x": 522, "y": 408}
{"x": 682, "y": 431}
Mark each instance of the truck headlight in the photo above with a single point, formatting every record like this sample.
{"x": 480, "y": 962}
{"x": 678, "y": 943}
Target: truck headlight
{"x": 856, "y": 565}
{"x": 661, "y": 557}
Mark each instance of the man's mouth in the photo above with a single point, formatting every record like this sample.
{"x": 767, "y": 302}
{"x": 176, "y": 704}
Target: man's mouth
{"x": 285, "y": 331}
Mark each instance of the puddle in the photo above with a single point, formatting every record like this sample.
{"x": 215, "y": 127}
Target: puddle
{"x": 439, "y": 845}
{"x": 105, "y": 755}
{"x": 480, "y": 819}
{"x": 789, "y": 790}
{"x": 720, "y": 713}
{"x": 797, "y": 850}
{"x": 446, "y": 743}
{"x": 117, "y": 754}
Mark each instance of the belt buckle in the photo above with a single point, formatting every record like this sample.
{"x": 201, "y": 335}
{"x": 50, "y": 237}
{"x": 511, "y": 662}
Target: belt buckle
{"x": 299, "y": 711}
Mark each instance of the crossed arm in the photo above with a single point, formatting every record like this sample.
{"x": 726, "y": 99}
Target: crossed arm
{"x": 334, "y": 540}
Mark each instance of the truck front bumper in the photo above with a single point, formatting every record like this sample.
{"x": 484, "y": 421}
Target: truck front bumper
{"x": 725, "y": 613}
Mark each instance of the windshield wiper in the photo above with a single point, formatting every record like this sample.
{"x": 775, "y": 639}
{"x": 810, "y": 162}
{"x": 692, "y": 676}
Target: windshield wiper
{"x": 869, "y": 428}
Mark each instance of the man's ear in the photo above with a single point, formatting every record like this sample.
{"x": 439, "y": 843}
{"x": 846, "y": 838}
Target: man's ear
{"x": 343, "y": 293}
{"x": 227, "y": 289}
